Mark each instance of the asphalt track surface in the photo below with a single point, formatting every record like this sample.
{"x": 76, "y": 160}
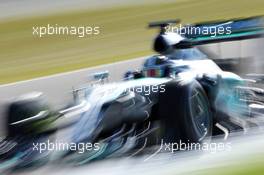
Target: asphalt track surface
{"x": 57, "y": 89}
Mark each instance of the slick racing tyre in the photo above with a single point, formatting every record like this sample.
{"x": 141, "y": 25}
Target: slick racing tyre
{"x": 28, "y": 115}
{"x": 185, "y": 113}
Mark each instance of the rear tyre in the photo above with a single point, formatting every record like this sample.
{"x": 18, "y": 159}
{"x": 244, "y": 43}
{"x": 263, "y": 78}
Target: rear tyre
{"x": 185, "y": 112}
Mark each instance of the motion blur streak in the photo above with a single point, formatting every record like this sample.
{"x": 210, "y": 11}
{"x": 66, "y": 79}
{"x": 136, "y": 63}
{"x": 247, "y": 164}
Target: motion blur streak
{"x": 246, "y": 151}
{"x": 123, "y": 35}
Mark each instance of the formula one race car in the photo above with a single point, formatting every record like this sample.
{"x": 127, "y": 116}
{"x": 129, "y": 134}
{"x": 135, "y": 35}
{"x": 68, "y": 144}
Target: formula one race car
{"x": 178, "y": 96}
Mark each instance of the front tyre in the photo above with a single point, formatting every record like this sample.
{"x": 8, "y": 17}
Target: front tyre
{"x": 185, "y": 112}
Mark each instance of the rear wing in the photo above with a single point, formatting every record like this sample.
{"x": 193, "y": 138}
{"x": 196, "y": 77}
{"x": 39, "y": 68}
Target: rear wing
{"x": 231, "y": 26}
{"x": 231, "y": 30}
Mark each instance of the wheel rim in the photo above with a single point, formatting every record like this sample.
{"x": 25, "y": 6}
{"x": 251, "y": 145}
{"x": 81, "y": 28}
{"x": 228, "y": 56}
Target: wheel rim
{"x": 200, "y": 114}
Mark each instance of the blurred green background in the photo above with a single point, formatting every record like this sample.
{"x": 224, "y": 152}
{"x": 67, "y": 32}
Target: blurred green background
{"x": 123, "y": 35}
{"x": 253, "y": 165}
